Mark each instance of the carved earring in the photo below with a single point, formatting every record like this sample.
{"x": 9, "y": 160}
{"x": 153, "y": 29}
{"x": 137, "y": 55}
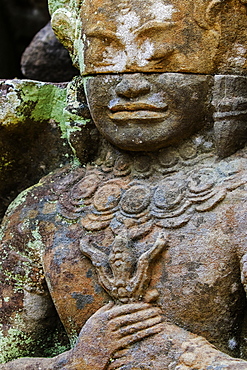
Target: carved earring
{"x": 230, "y": 116}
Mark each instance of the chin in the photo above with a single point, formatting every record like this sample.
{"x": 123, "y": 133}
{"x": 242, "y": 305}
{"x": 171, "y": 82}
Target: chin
{"x": 147, "y": 140}
{"x": 137, "y": 145}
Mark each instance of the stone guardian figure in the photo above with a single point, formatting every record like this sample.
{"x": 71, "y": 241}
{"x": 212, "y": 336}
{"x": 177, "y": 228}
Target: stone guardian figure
{"x": 141, "y": 253}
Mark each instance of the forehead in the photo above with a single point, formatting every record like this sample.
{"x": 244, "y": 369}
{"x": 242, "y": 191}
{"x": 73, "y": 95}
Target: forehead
{"x": 131, "y": 35}
{"x": 111, "y": 12}
{"x": 161, "y": 36}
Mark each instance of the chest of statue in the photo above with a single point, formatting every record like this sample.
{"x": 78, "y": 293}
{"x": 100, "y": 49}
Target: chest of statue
{"x": 195, "y": 279}
{"x": 105, "y": 226}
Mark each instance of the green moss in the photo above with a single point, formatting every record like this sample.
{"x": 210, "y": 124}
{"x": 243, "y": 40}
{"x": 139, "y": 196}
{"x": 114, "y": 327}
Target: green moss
{"x": 42, "y": 102}
{"x": 20, "y": 199}
{"x": 19, "y": 344}
{"x": 55, "y": 4}
{"x": 39, "y": 102}
{"x": 16, "y": 344}
{"x": 29, "y": 104}
{"x": 35, "y": 100}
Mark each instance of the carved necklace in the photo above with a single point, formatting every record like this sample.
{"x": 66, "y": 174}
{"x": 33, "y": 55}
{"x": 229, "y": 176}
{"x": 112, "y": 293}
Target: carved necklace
{"x": 163, "y": 190}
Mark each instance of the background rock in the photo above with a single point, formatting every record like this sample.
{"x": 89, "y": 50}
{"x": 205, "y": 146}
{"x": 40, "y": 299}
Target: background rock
{"x": 40, "y": 132}
{"x": 20, "y": 20}
{"x": 30, "y": 136}
{"x": 45, "y": 59}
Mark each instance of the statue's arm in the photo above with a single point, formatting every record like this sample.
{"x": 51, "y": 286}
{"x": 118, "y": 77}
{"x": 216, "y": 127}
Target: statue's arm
{"x": 197, "y": 351}
{"x": 177, "y": 349}
{"x": 28, "y": 319}
{"x": 182, "y": 349}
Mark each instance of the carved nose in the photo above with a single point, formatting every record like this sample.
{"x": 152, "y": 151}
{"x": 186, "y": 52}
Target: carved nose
{"x": 133, "y": 86}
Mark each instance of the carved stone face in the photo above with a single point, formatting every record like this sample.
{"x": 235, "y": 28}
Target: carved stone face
{"x": 147, "y": 36}
{"x": 146, "y": 112}
{"x": 118, "y": 36}
{"x": 130, "y": 36}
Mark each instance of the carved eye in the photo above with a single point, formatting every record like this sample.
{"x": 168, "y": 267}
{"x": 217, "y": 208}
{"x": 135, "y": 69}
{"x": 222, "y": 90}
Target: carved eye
{"x": 162, "y": 52}
{"x": 156, "y": 32}
{"x": 102, "y": 47}
{"x": 103, "y": 37}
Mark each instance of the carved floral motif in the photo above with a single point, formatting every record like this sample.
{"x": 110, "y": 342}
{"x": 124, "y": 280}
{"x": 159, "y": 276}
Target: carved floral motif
{"x": 125, "y": 282}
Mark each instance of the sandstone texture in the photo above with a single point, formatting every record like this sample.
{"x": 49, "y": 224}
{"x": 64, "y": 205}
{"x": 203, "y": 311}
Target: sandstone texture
{"x": 158, "y": 234}
{"x": 72, "y": 220}
{"x": 134, "y": 256}
{"x": 154, "y": 36}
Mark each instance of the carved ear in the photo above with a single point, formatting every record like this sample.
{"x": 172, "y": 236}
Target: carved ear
{"x": 230, "y": 116}
{"x": 64, "y": 27}
{"x": 67, "y": 28}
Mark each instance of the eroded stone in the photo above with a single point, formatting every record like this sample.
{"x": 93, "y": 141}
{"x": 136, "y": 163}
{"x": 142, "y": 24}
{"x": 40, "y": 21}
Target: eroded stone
{"x": 156, "y": 224}
{"x": 155, "y": 36}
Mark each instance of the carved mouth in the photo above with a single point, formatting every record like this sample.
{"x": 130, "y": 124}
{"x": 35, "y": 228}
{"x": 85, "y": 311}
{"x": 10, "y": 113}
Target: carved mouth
{"x": 138, "y": 112}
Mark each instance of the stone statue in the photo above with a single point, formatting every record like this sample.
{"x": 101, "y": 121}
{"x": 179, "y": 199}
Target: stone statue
{"x": 143, "y": 250}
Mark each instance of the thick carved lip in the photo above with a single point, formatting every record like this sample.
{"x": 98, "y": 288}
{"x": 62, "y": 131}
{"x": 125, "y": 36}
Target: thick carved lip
{"x": 137, "y": 111}
{"x": 137, "y": 106}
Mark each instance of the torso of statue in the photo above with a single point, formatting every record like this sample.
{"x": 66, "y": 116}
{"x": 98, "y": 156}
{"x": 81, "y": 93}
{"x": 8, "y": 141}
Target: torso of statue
{"x": 158, "y": 226}
{"x": 188, "y": 196}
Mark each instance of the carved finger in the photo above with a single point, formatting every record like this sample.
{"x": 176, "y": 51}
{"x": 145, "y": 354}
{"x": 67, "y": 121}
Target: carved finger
{"x": 105, "y": 308}
{"x": 135, "y": 317}
{"x": 132, "y": 338}
{"x": 98, "y": 314}
{"x": 120, "y": 353}
{"x": 131, "y": 329}
{"x": 118, "y": 363}
{"x": 127, "y": 309}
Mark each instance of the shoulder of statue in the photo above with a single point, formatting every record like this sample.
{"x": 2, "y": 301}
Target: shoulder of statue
{"x": 30, "y": 208}
{"x": 47, "y": 189}
{"x": 232, "y": 182}
{"x": 29, "y": 224}
{"x": 233, "y": 170}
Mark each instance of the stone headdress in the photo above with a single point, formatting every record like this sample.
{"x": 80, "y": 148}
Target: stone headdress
{"x": 222, "y": 21}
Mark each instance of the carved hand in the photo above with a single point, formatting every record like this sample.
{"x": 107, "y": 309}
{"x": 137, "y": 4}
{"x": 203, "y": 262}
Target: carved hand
{"x": 111, "y": 328}
{"x": 178, "y": 349}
